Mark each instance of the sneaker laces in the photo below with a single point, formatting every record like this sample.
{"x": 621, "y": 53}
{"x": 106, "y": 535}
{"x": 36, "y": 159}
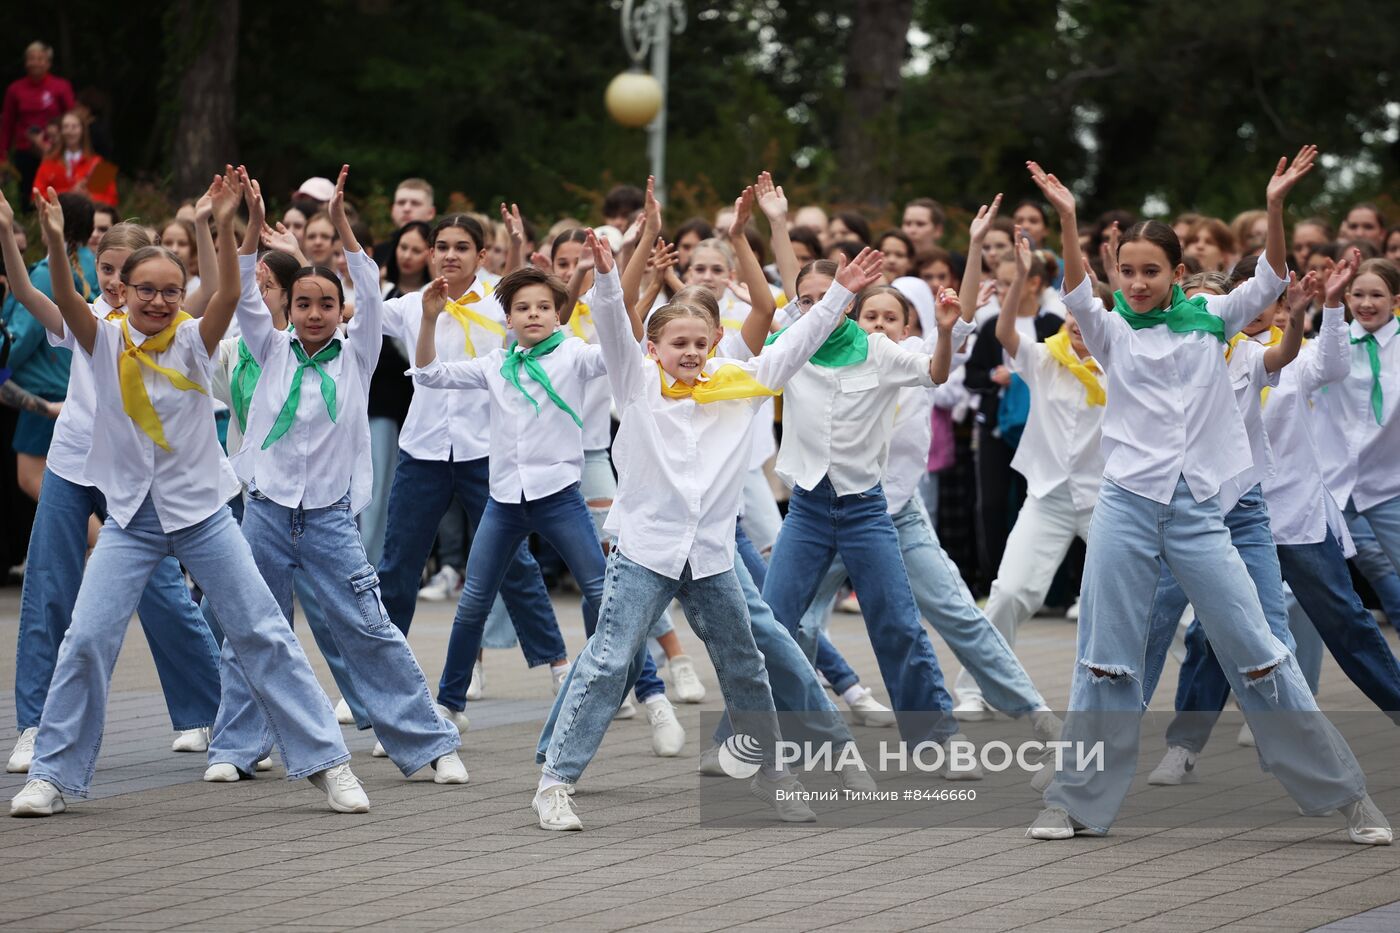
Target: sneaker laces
{"x": 1177, "y": 757}
{"x": 26, "y": 741}
{"x": 36, "y": 786}
{"x": 1364, "y": 814}
{"x": 660, "y": 714}
{"x": 344, "y": 778}
{"x": 556, "y": 801}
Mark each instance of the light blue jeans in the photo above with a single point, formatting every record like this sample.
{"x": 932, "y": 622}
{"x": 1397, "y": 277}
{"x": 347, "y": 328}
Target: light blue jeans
{"x": 610, "y": 663}
{"x": 946, "y": 602}
{"x": 324, "y": 545}
{"x": 1130, "y": 537}
{"x": 280, "y": 679}
{"x": 185, "y": 653}
{"x": 1376, "y": 534}
{"x": 384, "y": 453}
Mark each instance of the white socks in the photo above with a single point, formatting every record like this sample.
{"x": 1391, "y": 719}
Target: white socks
{"x": 546, "y": 782}
{"x": 853, "y": 693}
{"x": 655, "y": 698}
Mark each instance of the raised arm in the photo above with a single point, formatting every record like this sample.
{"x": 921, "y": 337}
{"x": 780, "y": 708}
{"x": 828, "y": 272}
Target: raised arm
{"x": 17, "y": 276}
{"x": 1275, "y": 358}
{"x": 773, "y": 202}
{"x": 77, "y": 313}
{"x": 949, "y": 314}
{"x": 226, "y": 194}
{"x": 1331, "y": 360}
{"x": 254, "y": 319}
{"x": 759, "y": 324}
{"x": 575, "y": 287}
{"x": 968, "y": 296}
{"x": 663, "y": 257}
{"x": 633, "y": 271}
{"x": 1284, "y": 178}
{"x": 434, "y": 300}
{"x": 515, "y": 229}
{"x": 208, "y": 259}
{"x": 1062, "y": 200}
{"x": 620, "y": 352}
{"x": 1007, "y": 335}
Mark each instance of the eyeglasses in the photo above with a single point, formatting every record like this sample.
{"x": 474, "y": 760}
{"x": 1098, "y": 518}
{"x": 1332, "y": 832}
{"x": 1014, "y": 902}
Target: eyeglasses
{"x": 805, "y": 304}
{"x": 149, "y": 292}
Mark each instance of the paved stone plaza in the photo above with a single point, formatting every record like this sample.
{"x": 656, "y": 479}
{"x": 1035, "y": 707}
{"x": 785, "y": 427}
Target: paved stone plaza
{"x": 158, "y": 849}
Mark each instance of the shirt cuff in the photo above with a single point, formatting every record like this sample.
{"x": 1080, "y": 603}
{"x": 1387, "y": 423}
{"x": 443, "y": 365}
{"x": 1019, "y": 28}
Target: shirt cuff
{"x": 962, "y": 329}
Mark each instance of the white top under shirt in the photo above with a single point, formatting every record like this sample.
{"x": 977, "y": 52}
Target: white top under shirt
{"x": 837, "y": 421}
{"x": 318, "y": 460}
{"x": 533, "y": 454}
{"x": 72, "y": 433}
{"x": 912, "y": 433}
{"x": 596, "y": 410}
{"x": 188, "y": 483}
{"x": 1368, "y": 470}
{"x": 681, "y": 464}
{"x": 1248, "y": 378}
{"x": 1062, "y": 440}
{"x": 1301, "y": 509}
{"x": 443, "y": 424}
{"x": 1171, "y": 412}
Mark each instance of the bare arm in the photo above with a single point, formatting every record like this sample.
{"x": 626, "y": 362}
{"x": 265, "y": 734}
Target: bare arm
{"x": 17, "y": 276}
{"x": 773, "y": 202}
{"x": 634, "y": 268}
{"x": 434, "y": 300}
{"x": 77, "y": 314}
{"x": 227, "y": 192}
{"x": 972, "y": 274}
{"x": 17, "y": 397}
{"x": 1062, "y": 200}
{"x": 208, "y": 259}
{"x": 1275, "y": 358}
{"x": 662, "y": 259}
{"x": 1007, "y": 335}
{"x": 515, "y": 228}
{"x": 759, "y": 323}
{"x": 1284, "y": 178}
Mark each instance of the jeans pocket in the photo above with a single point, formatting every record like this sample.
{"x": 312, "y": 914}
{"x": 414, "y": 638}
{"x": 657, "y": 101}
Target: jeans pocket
{"x": 365, "y": 585}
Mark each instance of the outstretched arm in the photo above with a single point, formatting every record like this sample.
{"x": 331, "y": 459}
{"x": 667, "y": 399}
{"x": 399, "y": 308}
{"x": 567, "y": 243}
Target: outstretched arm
{"x": 1284, "y": 178}
{"x": 968, "y": 296}
{"x": 77, "y": 314}
{"x": 1297, "y": 300}
{"x": 632, "y": 272}
{"x": 1062, "y": 200}
{"x": 208, "y": 259}
{"x": 515, "y": 229}
{"x": 1007, "y": 335}
{"x": 759, "y": 323}
{"x": 774, "y": 205}
{"x": 17, "y": 276}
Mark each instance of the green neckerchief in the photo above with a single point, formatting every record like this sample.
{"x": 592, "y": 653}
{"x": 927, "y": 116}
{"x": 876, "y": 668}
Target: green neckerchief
{"x": 1373, "y": 351}
{"x": 288, "y": 414}
{"x": 242, "y": 383}
{"x": 846, "y": 346}
{"x": 1185, "y": 316}
{"x": 517, "y": 357}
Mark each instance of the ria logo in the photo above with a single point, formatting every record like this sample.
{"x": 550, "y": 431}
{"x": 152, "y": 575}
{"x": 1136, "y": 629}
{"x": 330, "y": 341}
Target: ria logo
{"x": 740, "y": 756}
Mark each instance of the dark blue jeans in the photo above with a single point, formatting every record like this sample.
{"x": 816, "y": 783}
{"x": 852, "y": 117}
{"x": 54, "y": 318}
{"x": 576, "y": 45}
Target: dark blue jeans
{"x": 819, "y": 525}
{"x": 422, "y": 491}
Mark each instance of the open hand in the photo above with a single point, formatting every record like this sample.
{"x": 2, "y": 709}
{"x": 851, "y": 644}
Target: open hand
{"x": 435, "y": 297}
{"x": 601, "y": 251}
{"x": 1340, "y": 277}
{"x": 281, "y": 239}
{"x": 985, "y": 215}
{"x": 515, "y": 225}
{"x": 863, "y": 271}
{"x": 651, "y": 209}
{"x": 771, "y": 199}
{"x": 50, "y": 214}
{"x": 1060, "y": 197}
{"x": 947, "y": 309}
{"x": 743, "y": 210}
{"x": 336, "y": 206}
{"x": 1287, "y": 175}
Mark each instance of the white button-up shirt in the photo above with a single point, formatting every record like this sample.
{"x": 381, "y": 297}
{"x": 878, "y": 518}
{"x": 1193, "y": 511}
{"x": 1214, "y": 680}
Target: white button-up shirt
{"x": 837, "y": 421}
{"x": 1366, "y": 468}
{"x": 1249, "y": 378}
{"x": 72, "y": 433}
{"x": 1171, "y": 411}
{"x": 533, "y": 454}
{"x": 188, "y": 483}
{"x": 912, "y": 433}
{"x": 1301, "y": 509}
{"x": 1062, "y": 441}
{"x": 443, "y": 424}
{"x": 681, "y": 464}
{"x": 318, "y": 460}
{"x": 597, "y": 400}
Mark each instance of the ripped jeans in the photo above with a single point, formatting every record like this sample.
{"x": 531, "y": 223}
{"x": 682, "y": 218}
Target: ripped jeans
{"x": 1130, "y": 537}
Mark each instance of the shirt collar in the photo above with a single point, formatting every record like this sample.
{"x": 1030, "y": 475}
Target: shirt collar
{"x": 1383, "y": 335}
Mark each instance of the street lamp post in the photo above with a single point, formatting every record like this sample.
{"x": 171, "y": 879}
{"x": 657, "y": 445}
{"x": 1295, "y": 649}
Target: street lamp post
{"x": 647, "y": 26}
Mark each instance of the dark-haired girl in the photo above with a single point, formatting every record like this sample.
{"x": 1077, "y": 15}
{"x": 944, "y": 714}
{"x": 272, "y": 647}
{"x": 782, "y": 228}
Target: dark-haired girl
{"x": 1172, "y": 437}
{"x": 156, "y": 457}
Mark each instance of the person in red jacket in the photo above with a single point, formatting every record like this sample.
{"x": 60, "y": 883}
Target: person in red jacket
{"x": 30, "y": 103}
{"x": 71, "y": 163}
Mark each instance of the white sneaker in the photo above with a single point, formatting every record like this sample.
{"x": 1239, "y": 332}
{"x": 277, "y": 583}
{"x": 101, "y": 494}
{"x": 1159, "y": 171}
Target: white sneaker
{"x": 378, "y": 750}
{"x": 191, "y": 740}
{"x": 1178, "y": 767}
{"x": 667, "y": 736}
{"x": 1055, "y": 823}
{"x": 554, "y": 809}
{"x": 222, "y": 773}
{"x": 560, "y": 673}
{"x": 1044, "y": 776}
{"x": 458, "y": 719}
{"x": 449, "y": 770}
{"x": 24, "y": 751}
{"x": 1046, "y": 726}
{"x": 1072, "y": 613}
{"x": 1366, "y": 825}
{"x": 972, "y": 709}
{"x": 790, "y": 808}
{"x": 264, "y": 765}
{"x": 343, "y": 714}
{"x": 627, "y": 710}
{"x": 477, "y": 688}
{"x": 343, "y": 790}
{"x": 444, "y": 585}
{"x": 709, "y": 763}
{"x": 856, "y": 777}
{"x": 38, "y": 798}
{"x": 950, "y": 773}
{"x": 870, "y": 711}
{"x": 685, "y": 680}
{"x": 1246, "y": 736}
{"x": 850, "y": 605}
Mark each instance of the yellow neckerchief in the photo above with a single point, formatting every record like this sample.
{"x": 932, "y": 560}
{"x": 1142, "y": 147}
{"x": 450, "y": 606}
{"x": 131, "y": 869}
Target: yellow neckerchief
{"x": 467, "y": 317}
{"x": 1275, "y": 335}
{"x": 726, "y": 383}
{"x": 582, "y": 315}
{"x": 729, "y": 323}
{"x": 1086, "y": 371}
{"x": 135, "y": 400}
{"x": 116, "y": 314}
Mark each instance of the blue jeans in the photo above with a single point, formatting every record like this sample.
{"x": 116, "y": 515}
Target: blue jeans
{"x": 324, "y": 546}
{"x": 280, "y": 679}
{"x": 819, "y": 526}
{"x": 185, "y": 653}
{"x": 633, "y": 597}
{"x": 562, "y": 519}
{"x": 1130, "y": 537}
{"x": 947, "y": 604}
{"x": 830, "y": 662}
{"x": 422, "y": 492}
{"x": 1310, "y": 649}
{"x": 320, "y": 632}
{"x": 384, "y": 453}
{"x": 1376, "y": 533}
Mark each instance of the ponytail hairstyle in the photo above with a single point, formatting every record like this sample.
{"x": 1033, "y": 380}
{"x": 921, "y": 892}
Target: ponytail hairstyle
{"x": 572, "y": 235}
{"x": 317, "y": 272}
{"x": 283, "y": 267}
{"x": 126, "y": 235}
{"x": 871, "y": 292}
{"x": 77, "y": 230}
{"x": 1159, "y": 235}
{"x": 701, "y": 296}
{"x": 462, "y": 222}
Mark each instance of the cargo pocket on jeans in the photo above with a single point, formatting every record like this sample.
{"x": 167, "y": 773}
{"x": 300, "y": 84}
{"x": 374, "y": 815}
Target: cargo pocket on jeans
{"x": 365, "y": 585}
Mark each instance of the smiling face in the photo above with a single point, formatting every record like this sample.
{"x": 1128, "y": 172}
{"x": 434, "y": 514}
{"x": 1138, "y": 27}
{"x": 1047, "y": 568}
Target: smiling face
{"x": 682, "y": 347}
{"x": 456, "y": 257}
{"x": 109, "y": 274}
{"x": 709, "y": 268}
{"x": 1371, "y": 303}
{"x": 532, "y": 314}
{"x": 177, "y": 239}
{"x": 1145, "y": 276}
{"x": 315, "y": 311}
{"x": 163, "y": 285}
{"x": 884, "y": 314}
